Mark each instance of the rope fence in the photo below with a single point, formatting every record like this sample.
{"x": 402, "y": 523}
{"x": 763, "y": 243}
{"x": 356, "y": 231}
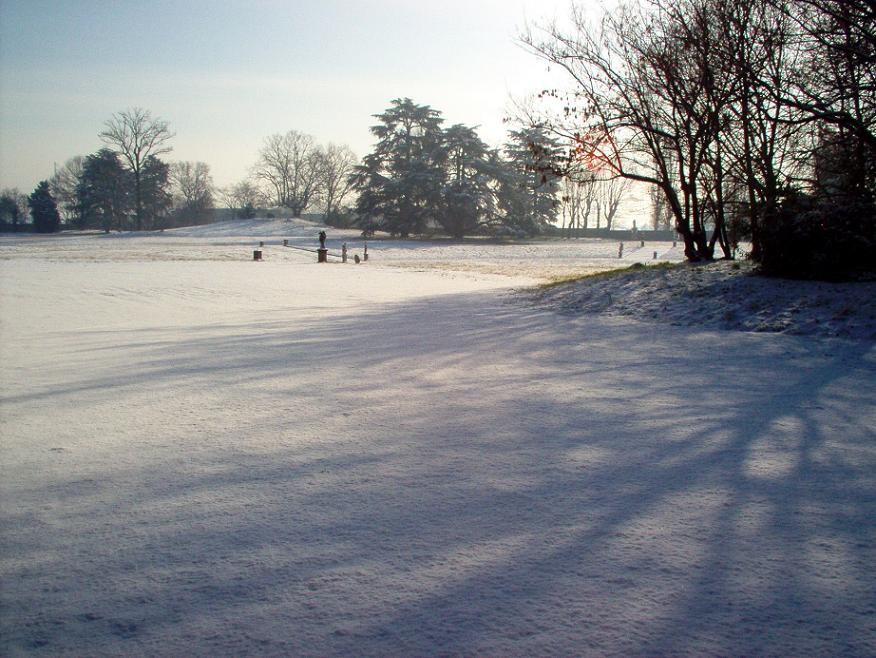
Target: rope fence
{"x": 314, "y": 251}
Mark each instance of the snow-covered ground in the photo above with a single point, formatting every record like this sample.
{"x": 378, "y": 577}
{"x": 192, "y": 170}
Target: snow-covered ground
{"x": 723, "y": 295}
{"x": 203, "y": 455}
{"x": 236, "y": 240}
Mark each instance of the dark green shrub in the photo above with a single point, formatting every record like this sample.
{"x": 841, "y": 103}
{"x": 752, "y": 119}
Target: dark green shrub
{"x": 828, "y": 238}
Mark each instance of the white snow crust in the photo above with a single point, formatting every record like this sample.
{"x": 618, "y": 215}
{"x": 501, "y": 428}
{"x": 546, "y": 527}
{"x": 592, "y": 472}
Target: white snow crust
{"x": 208, "y": 456}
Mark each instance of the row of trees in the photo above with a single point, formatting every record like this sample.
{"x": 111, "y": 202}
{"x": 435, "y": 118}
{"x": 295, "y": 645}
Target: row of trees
{"x": 751, "y": 118}
{"x": 103, "y": 190}
{"x": 421, "y": 177}
{"x": 40, "y": 206}
{"x": 125, "y": 185}
{"x": 298, "y": 173}
{"x": 590, "y": 198}
{"x": 293, "y": 172}
{"x": 128, "y": 185}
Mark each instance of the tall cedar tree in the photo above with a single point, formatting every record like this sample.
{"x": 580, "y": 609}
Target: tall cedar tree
{"x": 400, "y": 182}
{"x": 468, "y": 201}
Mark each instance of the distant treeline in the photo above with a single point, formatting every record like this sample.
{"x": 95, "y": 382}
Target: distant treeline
{"x": 752, "y": 120}
{"x": 421, "y": 178}
{"x": 128, "y": 186}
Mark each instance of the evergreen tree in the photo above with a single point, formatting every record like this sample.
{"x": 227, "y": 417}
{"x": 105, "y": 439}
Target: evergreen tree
{"x": 137, "y": 137}
{"x": 155, "y": 196}
{"x": 401, "y": 181}
{"x": 105, "y": 191}
{"x": 531, "y": 183}
{"x": 467, "y": 196}
{"x": 43, "y": 209}
{"x": 512, "y": 199}
{"x": 13, "y": 208}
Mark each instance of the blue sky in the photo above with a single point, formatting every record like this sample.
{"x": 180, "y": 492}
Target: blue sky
{"x": 227, "y": 73}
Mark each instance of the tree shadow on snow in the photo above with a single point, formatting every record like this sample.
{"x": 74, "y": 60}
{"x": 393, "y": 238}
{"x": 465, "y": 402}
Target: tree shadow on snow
{"x": 464, "y": 475}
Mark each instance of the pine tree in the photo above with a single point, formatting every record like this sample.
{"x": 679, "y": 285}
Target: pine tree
{"x": 400, "y": 182}
{"x": 43, "y": 209}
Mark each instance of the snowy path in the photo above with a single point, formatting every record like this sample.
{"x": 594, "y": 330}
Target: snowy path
{"x": 275, "y": 459}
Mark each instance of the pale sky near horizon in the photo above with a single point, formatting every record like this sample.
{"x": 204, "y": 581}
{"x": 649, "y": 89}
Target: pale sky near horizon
{"x": 225, "y": 74}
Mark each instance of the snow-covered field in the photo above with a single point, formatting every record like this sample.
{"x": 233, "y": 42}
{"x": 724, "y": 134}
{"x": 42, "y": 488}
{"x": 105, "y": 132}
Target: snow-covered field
{"x": 203, "y": 455}
{"x": 235, "y": 241}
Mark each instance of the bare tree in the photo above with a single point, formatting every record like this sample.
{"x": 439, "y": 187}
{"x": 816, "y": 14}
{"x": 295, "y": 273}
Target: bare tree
{"x": 291, "y": 165}
{"x": 243, "y": 198}
{"x": 578, "y": 195}
{"x": 756, "y": 156}
{"x": 136, "y": 135}
{"x": 841, "y": 50}
{"x": 649, "y": 89}
{"x": 64, "y": 184}
{"x": 193, "y": 190}
{"x": 609, "y": 193}
{"x": 661, "y": 219}
{"x": 337, "y": 165}
{"x": 614, "y": 113}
